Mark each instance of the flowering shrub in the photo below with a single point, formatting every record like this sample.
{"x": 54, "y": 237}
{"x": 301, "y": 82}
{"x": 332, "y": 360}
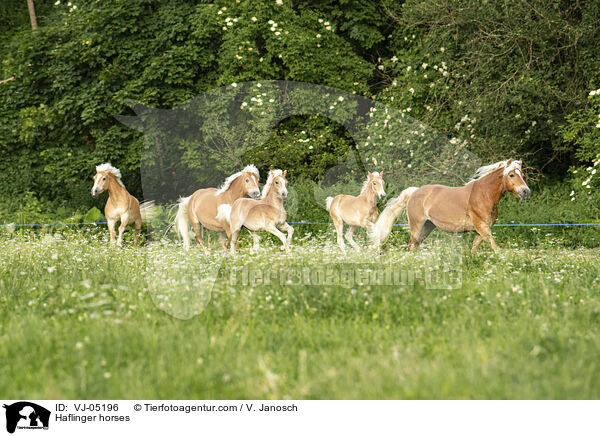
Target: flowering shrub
{"x": 582, "y": 130}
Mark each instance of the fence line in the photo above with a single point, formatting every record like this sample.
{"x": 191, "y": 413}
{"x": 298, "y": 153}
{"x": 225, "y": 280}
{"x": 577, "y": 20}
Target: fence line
{"x": 307, "y": 222}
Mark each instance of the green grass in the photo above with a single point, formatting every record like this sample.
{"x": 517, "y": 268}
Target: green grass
{"x": 81, "y": 320}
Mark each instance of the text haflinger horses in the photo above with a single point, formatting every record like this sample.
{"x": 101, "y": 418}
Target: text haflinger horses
{"x": 266, "y": 214}
{"x": 454, "y": 209}
{"x": 121, "y": 205}
{"x": 360, "y": 211}
{"x": 200, "y": 209}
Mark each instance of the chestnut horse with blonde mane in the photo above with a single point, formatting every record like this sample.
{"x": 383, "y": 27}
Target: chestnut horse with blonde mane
{"x": 121, "y": 205}
{"x": 454, "y": 209}
{"x": 266, "y": 214}
{"x": 360, "y": 211}
{"x": 200, "y": 208}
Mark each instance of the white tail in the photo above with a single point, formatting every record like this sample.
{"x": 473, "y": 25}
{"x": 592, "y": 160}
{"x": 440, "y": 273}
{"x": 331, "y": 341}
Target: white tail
{"x": 328, "y": 202}
{"x": 380, "y": 231}
{"x": 224, "y": 213}
{"x": 148, "y": 210}
{"x": 182, "y": 222}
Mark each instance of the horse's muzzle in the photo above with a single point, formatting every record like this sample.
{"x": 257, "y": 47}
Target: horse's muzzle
{"x": 524, "y": 193}
{"x": 255, "y": 194}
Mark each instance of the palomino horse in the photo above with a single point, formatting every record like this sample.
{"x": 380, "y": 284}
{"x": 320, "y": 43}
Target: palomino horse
{"x": 358, "y": 211}
{"x": 200, "y": 208}
{"x": 265, "y": 214}
{"x": 461, "y": 209}
{"x": 121, "y": 205}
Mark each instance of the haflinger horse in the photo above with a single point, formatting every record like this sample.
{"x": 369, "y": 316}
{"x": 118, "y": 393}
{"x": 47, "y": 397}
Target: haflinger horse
{"x": 200, "y": 209}
{"x": 360, "y": 211}
{"x": 454, "y": 209}
{"x": 266, "y": 214}
{"x": 121, "y": 205}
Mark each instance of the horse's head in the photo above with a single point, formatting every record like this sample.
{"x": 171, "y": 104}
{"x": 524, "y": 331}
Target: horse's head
{"x": 101, "y": 181}
{"x": 279, "y": 182}
{"x": 250, "y": 184}
{"x": 513, "y": 180}
{"x": 375, "y": 180}
{"x": 103, "y": 176}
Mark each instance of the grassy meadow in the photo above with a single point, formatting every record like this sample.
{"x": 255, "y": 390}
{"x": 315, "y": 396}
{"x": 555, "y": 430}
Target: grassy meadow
{"x": 81, "y": 320}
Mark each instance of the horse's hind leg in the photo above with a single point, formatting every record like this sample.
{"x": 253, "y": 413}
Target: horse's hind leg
{"x": 349, "y": 238}
{"x": 199, "y": 234}
{"x": 419, "y": 232}
{"x": 339, "y": 228}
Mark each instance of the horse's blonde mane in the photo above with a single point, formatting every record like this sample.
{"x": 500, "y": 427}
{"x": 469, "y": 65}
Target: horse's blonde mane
{"x": 227, "y": 183}
{"x": 366, "y": 184}
{"x": 488, "y": 169}
{"x": 267, "y": 187}
{"x": 114, "y": 171}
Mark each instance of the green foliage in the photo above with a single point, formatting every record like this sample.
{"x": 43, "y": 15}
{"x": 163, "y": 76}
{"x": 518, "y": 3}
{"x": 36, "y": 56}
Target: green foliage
{"x": 502, "y": 75}
{"x": 500, "y": 79}
{"x": 93, "y": 215}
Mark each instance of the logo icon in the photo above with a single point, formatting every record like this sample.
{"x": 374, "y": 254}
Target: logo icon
{"x": 26, "y": 415}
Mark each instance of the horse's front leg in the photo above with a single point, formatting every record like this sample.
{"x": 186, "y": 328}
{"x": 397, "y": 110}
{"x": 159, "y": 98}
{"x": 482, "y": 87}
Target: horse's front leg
{"x": 476, "y": 242}
{"x": 111, "y": 230}
{"x": 483, "y": 229}
{"x": 124, "y": 221}
{"x": 235, "y": 233}
{"x": 255, "y": 240}
{"x": 275, "y": 231}
{"x": 285, "y": 227}
{"x": 223, "y": 240}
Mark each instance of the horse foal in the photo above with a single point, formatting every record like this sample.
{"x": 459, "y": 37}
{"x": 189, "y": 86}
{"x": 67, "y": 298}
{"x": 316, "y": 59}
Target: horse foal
{"x": 266, "y": 214}
{"x": 358, "y": 211}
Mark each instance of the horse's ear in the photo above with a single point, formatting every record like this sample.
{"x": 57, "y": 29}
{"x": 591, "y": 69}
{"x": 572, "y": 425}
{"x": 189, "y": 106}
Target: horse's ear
{"x": 508, "y": 162}
{"x": 369, "y": 174}
{"x": 381, "y": 173}
{"x": 284, "y": 173}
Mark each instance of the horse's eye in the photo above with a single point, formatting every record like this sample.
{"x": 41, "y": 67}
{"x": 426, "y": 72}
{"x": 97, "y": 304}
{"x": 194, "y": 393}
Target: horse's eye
{"x": 511, "y": 175}
{"x": 103, "y": 178}
{"x": 247, "y": 180}
{"x": 374, "y": 183}
{"x": 277, "y": 183}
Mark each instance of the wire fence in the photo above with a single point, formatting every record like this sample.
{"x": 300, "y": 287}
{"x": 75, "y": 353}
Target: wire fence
{"x": 301, "y": 222}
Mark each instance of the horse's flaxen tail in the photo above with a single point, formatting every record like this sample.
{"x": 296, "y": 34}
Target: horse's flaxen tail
{"x": 380, "y": 231}
{"x": 148, "y": 210}
{"x": 182, "y": 221}
{"x": 328, "y": 202}
{"x": 224, "y": 213}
